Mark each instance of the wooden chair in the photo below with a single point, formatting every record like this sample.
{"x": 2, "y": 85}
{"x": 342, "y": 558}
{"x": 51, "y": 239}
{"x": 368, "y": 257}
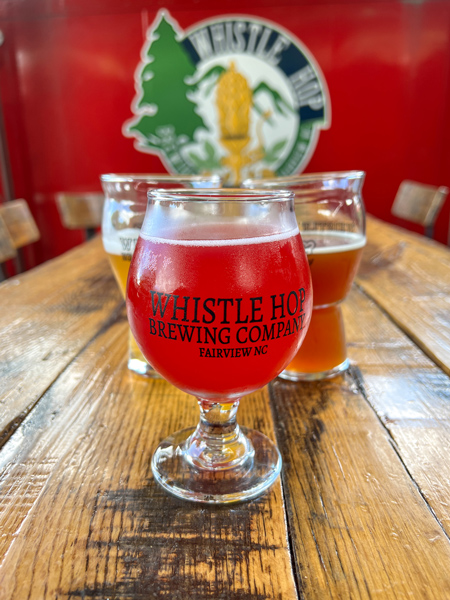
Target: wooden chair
{"x": 7, "y": 250}
{"x": 20, "y": 223}
{"x": 419, "y": 203}
{"x": 81, "y": 211}
{"x": 17, "y": 229}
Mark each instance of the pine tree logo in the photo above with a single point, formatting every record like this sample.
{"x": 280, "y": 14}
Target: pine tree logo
{"x": 234, "y": 95}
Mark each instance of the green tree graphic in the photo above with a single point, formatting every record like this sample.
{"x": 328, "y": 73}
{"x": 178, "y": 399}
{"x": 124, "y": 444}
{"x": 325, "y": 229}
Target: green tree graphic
{"x": 165, "y": 116}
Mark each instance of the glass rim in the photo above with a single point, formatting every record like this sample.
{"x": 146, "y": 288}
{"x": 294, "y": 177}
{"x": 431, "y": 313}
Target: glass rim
{"x": 155, "y": 177}
{"x": 306, "y": 178}
{"x": 221, "y": 194}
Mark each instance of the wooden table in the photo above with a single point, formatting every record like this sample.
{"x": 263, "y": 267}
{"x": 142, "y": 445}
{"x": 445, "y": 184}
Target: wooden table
{"x": 363, "y": 506}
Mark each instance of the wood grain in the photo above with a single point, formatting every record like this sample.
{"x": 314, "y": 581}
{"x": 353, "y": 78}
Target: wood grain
{"x": 366, "y": 470}
{"x": 81, "y": 516}
{"x": 409, "y": 277}
{"x": 359, "y": 526}
{"x": 410, "y": 395}
{"x": 46, "y": 317}
{"x": 366, "y": 480}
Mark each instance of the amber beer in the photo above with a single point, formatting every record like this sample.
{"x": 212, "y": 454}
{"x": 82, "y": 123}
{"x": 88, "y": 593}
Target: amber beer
{"x": 333, "y": 258}
{"x": 120, "y": 251}
{"x": 331, "y": 218}
{"x": 120, "y": 259}
{"x": 123, "y": 215}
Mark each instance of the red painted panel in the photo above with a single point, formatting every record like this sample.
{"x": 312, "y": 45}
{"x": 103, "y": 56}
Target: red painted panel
{"x": 67, "y": 82}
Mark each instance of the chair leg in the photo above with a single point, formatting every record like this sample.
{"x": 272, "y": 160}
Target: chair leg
{"x": 19, "y": 262}
{"x": 3, "y": 273}
{"x": 429, "y": 231}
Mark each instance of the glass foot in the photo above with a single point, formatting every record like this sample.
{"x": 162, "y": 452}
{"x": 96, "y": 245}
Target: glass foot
{"x": 142, "y": 368}
{"x": 297, "y": 376}
{"x": 176, "y": 474}
{"x": 137, "y": 362}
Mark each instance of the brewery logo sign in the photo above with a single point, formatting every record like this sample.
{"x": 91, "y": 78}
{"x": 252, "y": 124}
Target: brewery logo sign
{"x": 234, "y": 95}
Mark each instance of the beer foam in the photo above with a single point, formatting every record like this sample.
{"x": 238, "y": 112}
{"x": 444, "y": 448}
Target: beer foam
{"x": 264, "y": 239}
{"x": 113, "y": 244}
{"x": 330, "y": 242}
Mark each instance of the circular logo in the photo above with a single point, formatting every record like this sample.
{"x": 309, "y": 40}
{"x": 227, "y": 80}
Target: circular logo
{"x": 237, "y": 96}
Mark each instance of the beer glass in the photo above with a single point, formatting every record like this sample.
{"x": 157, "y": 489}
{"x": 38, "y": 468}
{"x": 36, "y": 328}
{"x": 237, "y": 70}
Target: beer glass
{"x": 219, "y": 300}
{"x": 123, "y": 214}
{"x": 331, "y": 219}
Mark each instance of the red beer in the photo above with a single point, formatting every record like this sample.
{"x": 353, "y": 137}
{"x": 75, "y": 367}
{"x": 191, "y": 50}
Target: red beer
{"x": 232, "y": 312}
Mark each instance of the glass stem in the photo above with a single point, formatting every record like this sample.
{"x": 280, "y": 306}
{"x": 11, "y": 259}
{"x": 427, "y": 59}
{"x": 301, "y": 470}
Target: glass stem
{"x": 218, "y": 442}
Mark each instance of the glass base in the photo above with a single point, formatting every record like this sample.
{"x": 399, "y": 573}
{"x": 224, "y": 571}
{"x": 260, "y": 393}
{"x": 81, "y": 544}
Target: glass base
{"x": 137, "y": 362}
{"x": 248, "y": 480}
{"x": 298, "y": 376}
{"x": 142, "y": 368}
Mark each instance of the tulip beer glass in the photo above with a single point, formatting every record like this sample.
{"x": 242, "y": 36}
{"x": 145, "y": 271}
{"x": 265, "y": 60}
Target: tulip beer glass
{"x": 330, "y": 215}
{"x": 123, "y": 214}
{"x": 219, "y": 300}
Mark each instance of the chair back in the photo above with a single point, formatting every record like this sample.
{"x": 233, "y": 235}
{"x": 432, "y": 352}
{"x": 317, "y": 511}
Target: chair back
{"x": 80, "y": 211}
{"x": 7, "y": 249}
{"x": 20, "y": 223}
{"x": 419, "y": 203}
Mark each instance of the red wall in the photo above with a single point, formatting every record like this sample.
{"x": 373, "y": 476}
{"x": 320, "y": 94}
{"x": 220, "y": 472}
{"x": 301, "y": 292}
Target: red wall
{"x": 67, "y": 82}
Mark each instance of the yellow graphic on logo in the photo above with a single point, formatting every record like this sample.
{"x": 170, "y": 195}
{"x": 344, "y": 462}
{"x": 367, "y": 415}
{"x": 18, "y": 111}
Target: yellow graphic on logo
{"x": 233, "y": 95}
{"x": 234, "y": 99}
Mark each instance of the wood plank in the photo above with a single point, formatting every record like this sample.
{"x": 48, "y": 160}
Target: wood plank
{"x": 47, "y": 316}
{"x": 410, "y": 395}
{"x": 81, "y": 516}
{"x": 360, "y": 525}
{"x": 409, "y": 277}
{"x": 28, "y": 289}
